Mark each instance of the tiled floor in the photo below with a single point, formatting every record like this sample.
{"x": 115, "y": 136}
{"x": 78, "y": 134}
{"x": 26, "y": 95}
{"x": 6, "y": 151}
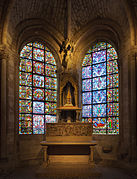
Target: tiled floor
{"x": 71, "y": 171}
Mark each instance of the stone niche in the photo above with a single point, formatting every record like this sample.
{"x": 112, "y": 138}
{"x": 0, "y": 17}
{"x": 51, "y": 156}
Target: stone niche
{"x": 68, "y": 110}
{"x": 67, "y": 83}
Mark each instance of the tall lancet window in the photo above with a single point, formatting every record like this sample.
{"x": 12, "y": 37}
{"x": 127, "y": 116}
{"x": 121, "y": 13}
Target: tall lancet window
{"x": 100, "y": 89}
{"x": 37, "y": 88}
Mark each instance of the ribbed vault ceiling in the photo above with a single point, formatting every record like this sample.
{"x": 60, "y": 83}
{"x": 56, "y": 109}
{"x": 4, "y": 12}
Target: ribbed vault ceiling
{"x": 83, "y": 12}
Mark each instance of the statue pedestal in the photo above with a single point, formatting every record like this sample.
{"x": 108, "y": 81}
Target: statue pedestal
{"x": 69, "y": 111}
{"x": 68, "y": 142}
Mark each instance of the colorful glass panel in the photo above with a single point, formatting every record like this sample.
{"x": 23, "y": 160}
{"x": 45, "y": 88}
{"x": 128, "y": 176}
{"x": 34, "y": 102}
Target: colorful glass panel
{"x": 25, "y": 92}
{"x": 99, "y": 83}
{"x": 86, "y": 98}
{"x": 104, "y": 96}
{"x": 50, "y": 83}
{"x": 38, "y": 68}
{"x": 99, "y": 69}
{"x": 25, "y": 79}
{"x": 38, "y": 94}
{"x": 111, "y": 54}
{"x": 38, "y": 81}
{"x": 38, "y": 54}
{"x": 109, "y": 45}
{"x": 51, "y": 95}
{"x": 110, "y": 109}
{"x": 116, "y": 94}
{"x": 99, "y": 125}
{"x": 87, "y": 60}
{"x": 25, "y": 123}
{"x": 109, "y": 95}
{"x": 38, "y": 107}
{"x": 25, "y": 106}
{"x": 99, "y": 46}
{"x": 99, "y": 57}
{"x": 115, "y": 109}
{"x": 115, "y": 66}
{"x": 50, "y": 108}
{"x": 110, "y": 67}
{"x": 113, "y": 125}
{"x": 84, "y": 120}
{"x": 99, "y": 110}
{"x": 25, "y": 65}
{"x": 115, "y": 80}
{"x": 37, "y": 72}
{"x": 87, "y": 111}
{"x": 38, "y": 124}
{"x": 50, "y": 70}
{"x": 49, "y": 58}
{"x": 38, "y": 45}
{"x": 110, "y": 81}
{"x": 99, "y": 96}
{"x": 86, "y": 85}
{"x": 50, "y": 119}
{"x": 86, "y": 72}
{"x": 26, "y": 52}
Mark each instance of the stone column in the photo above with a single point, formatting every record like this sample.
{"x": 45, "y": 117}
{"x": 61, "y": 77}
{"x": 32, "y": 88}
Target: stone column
{"x": 45, "y": 155}
{"x": 132, "y": 105}
{"x": 3, "y": 103}
{"x": 91, "y": 159}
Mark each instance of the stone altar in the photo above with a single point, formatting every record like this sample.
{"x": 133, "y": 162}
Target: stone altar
{"x": 72, "y": 137}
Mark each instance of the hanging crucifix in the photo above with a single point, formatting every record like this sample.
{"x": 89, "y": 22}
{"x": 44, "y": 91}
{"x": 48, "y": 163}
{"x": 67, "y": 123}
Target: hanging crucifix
{"x": 67, "y": 47}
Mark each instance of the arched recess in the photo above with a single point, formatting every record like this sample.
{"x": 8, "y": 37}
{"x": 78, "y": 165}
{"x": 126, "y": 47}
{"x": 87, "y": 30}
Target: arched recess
{"x": 69, "y": 79}
{"x": 99, "y": 29}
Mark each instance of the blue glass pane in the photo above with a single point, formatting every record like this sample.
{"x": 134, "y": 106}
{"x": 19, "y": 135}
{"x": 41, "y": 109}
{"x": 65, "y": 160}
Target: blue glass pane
{"x": 86, "y": 85}
{"x": 99, "y": 57}
{"x": 86, "y": 98}
{"x": 50, "y": 119}
{"x": 99, "y": 69}
{"x": 38, "y": 54}
{"x": 99, "y": 96}
{"x": 99, "y": 110}
{"x": 87, "y": 111}
{"x": 38, "y": 107}
{"x": 38, "y": 124}
{"x": 99, "y": 83}
{"x": 86, "y": 72}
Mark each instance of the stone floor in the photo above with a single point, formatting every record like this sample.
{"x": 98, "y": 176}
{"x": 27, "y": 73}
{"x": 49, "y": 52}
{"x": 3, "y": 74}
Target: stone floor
{"x": 69, "y": 171}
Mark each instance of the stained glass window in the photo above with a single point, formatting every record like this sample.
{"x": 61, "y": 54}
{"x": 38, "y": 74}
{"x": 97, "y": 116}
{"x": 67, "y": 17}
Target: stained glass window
{"x": 100, "y": 89}
{"x": 37, "y": 89}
